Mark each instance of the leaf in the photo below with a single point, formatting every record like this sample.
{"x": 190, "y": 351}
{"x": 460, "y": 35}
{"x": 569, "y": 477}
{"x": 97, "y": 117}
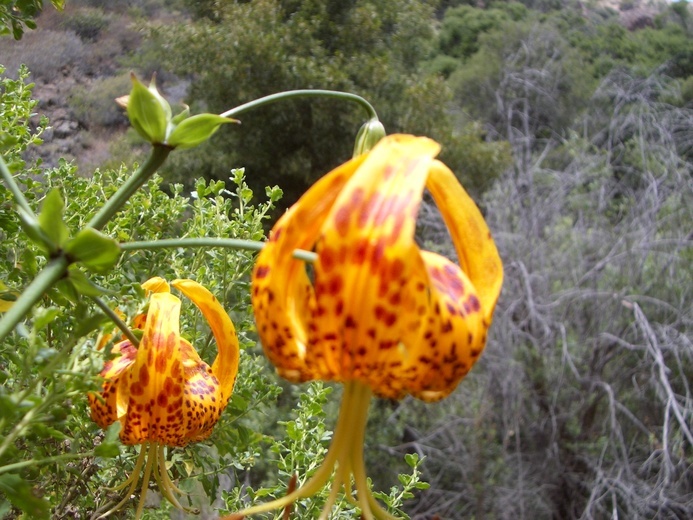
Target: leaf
{"x": 196, "y": 129}
{"x": 109, "y": 447}
{"x": 85, "y": 326}
{"x": 107, "y": 450}
{"x": 82, "y": 284}
{"x": 146, "y": 113}
{"x": 21, "y": 494}
{"x": 33, "y": 230}
{"x": 45, "y": 315}
{"x": 412, "y": 459}
{"x": 93, "y": 250}
{"x": 51, "y": 218}
{"x": 182, "y": 115}
{"x": 7, "y": 141}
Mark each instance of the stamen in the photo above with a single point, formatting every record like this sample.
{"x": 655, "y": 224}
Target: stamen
{"x": 167, "y": 486}
{"x": 334, "y": 491}
{"x": 346, "y": 451}
{"x": 151, "y": 461}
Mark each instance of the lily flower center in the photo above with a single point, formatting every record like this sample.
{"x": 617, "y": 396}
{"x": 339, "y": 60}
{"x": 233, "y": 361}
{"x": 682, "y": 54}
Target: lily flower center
{"x": 153, "y": 458}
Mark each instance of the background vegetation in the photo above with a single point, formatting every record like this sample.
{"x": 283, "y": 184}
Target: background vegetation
{"x": 570, "y": 123}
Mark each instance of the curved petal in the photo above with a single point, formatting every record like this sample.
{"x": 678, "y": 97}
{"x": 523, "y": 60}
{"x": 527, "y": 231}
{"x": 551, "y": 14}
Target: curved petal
{"x": 478, "y": 255}
{"x": 156, "y": 284}
{"x": 282, "y": 293}
{"x": 104, "y": 409}
{"x": 155, "y": 382}
{"x": 204, "y": 400}
{"x": 366, "y": 258}
{"x": 225, "y": 366}
{"x": 452, "y": 336}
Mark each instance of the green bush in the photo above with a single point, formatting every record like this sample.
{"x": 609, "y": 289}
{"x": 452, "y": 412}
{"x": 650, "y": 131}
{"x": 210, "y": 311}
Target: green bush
{"x": 36, "y": 50}
{"x": 87, "y": 23}
{"x": 95, "y": 106}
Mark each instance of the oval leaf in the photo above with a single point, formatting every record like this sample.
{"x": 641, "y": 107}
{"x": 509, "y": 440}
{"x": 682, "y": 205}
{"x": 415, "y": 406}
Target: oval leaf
{"x": 51, "y": 218}
{"x": 94, "y": 250}
{"x": 196, "y": 129}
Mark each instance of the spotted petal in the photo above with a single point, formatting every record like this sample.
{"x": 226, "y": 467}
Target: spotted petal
{"x": 476, "y": 250}
{"x": 366, "y": 261}
{"x": 104, "y": 405}
{"x": 282, "y": 293}
{"x": 380, "y": 310}
{"x": 155, "y": 382}
{"x": 225, "y": 366}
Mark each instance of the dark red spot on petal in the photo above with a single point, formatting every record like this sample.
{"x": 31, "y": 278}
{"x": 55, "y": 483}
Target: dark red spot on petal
{"x": 261, "y": 271}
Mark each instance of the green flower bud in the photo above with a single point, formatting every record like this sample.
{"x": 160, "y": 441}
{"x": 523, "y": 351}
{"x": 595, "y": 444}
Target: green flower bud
{"x": 148, "y": 111}
{"x": 150, "y": 114}
{"x": 370, "y": 133}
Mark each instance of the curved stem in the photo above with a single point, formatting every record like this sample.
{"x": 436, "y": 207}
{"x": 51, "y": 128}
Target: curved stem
{"x": 131, "y": 481}
{"x": 357, "y": 467}
{"x": 166, "y": 485}
{"x": 280, "y": 96}
{"x": 229, "y": 243}
{"x": 46, "y": 279}
{"x": 120, "y": 197}
{"x": 116, "y": 320}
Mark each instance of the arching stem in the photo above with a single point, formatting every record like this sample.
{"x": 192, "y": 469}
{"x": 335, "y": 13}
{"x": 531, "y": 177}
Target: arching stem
{"x": 280, "y": 96}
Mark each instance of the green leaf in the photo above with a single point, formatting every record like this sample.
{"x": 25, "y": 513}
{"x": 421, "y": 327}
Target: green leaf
{"x": 196, "y": 129}
{"x": 21, "y": 494}
{"x": 146, "y": 113}
{"x": 7, "y": 141}
{"x": 33, "y": 230}
{"x": 82, "y": 284}
{"x": 181, "y": 116}
{"x": 164, "y": 104}
{"x": 51, "y": 219}
{"x": 87, "y": 325}
{"x": 412, "y": 459}
{"x": 109, "y": 447}
{"x": 93, "y": 250}
{"x": 44, "y": 316}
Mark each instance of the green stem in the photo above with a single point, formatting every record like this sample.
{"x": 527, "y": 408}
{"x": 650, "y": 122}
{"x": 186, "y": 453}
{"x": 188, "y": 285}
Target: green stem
{"x": 14, "y": 188}
{"x": 273, "y": 98}
{"x": 48, "y": 277}
{"x": 144, "y": 172}
{"x": 230, "y": 243}
{"x": 57, "y": 267}
{"x": 40, "y": 462}
{"x": 116, "y": 320}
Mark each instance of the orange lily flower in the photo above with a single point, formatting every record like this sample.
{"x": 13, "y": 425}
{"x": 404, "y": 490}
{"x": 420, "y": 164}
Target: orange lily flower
{"x": 381, "y": 315}
{"x": 161, "y": 392}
